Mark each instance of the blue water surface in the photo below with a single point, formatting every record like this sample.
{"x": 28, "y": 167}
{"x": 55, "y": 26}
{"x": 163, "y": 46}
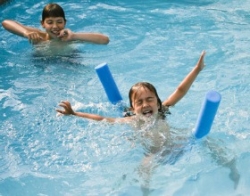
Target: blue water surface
{"x": 154, "y": 41}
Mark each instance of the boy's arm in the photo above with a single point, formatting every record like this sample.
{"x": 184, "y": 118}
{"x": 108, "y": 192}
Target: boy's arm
{"x": 186, "y": 83}
{"x": 34, "y": 35}
{"x": 17, "y": 28}
{"x": 97, "y": 38}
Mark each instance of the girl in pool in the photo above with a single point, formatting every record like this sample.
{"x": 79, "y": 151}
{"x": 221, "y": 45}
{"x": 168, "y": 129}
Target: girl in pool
{"x": 148, "y": 117}
{"x": 145, "y": 103}
{"x": 53, "y": 21}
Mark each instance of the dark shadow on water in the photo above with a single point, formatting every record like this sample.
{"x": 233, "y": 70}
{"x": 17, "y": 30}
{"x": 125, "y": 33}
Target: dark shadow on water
{"x": 5, "y": 2}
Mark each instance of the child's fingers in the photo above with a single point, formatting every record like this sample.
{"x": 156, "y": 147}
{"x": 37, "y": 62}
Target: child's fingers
{"x": 63, "y": 33}
{"x": 60, "y": 111}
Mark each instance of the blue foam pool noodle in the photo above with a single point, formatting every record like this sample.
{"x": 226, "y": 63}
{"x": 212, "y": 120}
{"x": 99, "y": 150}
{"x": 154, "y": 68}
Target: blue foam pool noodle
{"x": 207, "y": 114}
{"x": 108, "y": 83}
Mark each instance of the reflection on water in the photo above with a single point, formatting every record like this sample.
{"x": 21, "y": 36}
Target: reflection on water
{"x": 54, "y": 48}
{"x": 56, "y": 52}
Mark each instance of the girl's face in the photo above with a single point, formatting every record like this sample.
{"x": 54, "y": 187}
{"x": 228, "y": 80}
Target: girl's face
{"x": 53, "y": 25}
{"x": 144, "y": 102}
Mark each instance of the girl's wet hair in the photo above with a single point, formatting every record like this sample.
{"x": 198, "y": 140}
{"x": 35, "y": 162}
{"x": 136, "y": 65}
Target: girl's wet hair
{"x": 162, "y": 109}
{"x": 52, "y": 10}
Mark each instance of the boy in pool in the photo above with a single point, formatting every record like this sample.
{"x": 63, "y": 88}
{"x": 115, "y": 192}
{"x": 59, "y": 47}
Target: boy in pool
{"x": 53, "y": 21}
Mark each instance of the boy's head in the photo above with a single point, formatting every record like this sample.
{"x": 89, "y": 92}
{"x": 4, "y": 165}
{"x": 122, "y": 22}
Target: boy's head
{"x": 52, "y": 10}
{"x": 144, "y": 99}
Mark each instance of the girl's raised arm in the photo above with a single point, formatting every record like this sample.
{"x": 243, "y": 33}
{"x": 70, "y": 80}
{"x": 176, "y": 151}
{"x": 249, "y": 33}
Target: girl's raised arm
{"x": 184, "y": 86}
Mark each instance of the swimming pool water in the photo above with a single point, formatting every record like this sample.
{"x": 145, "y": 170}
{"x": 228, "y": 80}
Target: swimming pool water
{"x": 157, "y": 41}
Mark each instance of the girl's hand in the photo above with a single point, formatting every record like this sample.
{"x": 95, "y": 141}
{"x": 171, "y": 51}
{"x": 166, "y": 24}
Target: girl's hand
{"x": 200, "y": 63}
{"x": 67, "y": 108}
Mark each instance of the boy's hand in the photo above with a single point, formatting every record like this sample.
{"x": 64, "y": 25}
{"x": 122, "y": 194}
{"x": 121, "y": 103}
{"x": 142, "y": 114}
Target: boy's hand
{"x": 34, "y": 37}
{"x": 65, "y": 35}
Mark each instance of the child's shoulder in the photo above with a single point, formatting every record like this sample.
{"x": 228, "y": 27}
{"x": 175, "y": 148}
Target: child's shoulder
{"x": 165, "y": 110}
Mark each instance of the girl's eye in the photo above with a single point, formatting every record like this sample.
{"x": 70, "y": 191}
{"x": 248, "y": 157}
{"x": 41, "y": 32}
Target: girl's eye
{"x": 150, "y": 99}
{"x": 138, "y": 103}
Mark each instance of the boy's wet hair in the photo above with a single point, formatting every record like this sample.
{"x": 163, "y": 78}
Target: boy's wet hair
{"x": 162, "y": 109}
{"x": 52, "y": 10}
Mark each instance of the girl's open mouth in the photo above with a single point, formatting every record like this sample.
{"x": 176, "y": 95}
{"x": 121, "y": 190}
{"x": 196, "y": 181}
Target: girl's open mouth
{"x": 147, "y": 113}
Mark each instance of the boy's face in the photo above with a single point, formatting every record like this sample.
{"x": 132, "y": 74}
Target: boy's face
{"x": 144, "y": 102}
{"x": 53, "y": 25}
